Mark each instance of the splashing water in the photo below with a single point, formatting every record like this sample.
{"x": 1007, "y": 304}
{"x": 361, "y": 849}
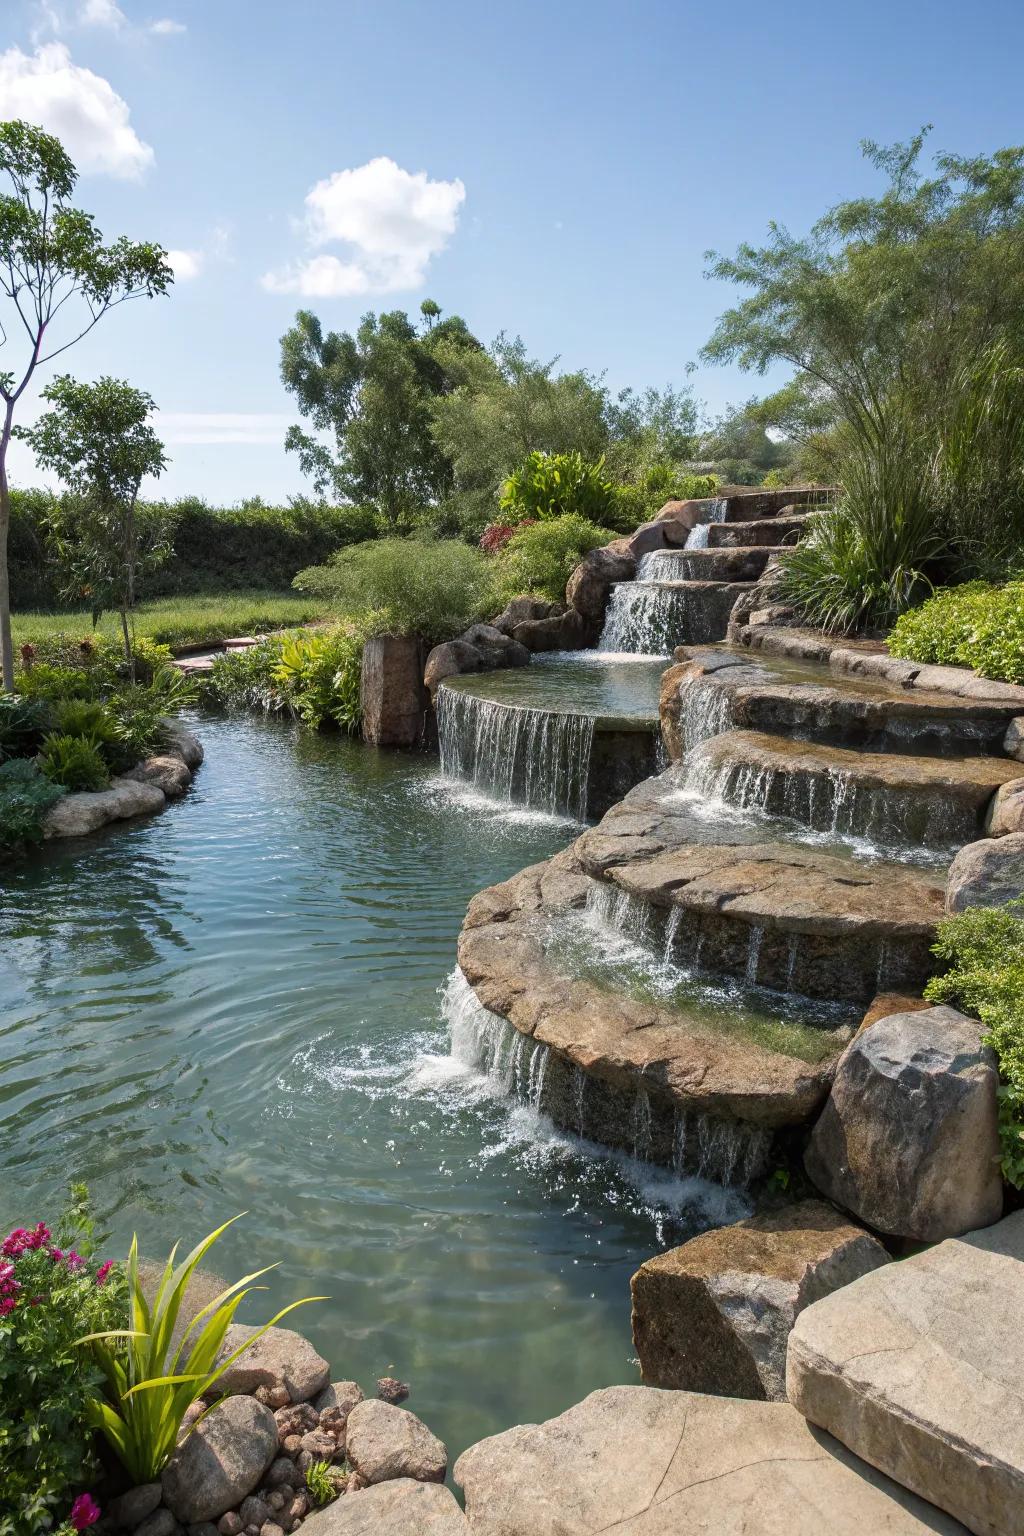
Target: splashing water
{"x": 533, "y": 757}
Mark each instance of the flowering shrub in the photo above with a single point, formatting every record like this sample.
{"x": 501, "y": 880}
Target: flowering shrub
{"x": 51, "y": 1293}
{"x": 496, "y": 535}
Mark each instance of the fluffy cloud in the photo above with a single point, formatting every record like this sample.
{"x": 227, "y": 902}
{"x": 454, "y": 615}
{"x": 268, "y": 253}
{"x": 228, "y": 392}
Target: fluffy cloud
{"x": 186, "y": 264}
{"x": 82, "y": 109}
{"x": 165, "y": 27}
{"x": 390, "y": 222}
{"x": 101, "y": 13}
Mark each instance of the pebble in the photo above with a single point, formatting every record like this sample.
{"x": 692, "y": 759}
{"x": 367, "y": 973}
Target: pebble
{"x": 253, "y": 1511}
{"x": 230, "y": 1524}
{"x": 320, "y": 1445}
{"x": 281, "y": 1471}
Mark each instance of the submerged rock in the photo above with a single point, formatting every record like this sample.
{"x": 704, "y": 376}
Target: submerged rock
{"x": 641, "y": 1462}
{"x": 222, "y": 1460}
{"x": 908, "y": 1140}
{"x": 918, "y": 1369}
{"x": 715, "y": 1314}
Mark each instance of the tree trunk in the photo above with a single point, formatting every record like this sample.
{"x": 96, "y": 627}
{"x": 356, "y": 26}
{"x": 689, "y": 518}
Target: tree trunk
{"x": 6, "y": 643}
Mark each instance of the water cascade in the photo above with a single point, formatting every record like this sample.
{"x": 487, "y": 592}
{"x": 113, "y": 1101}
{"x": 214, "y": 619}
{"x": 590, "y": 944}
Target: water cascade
{"x": 649, "y": 616}
{"x": 705, "y": 711}
{"x": 697, "y": 538}
{"x": 533, "y": 757}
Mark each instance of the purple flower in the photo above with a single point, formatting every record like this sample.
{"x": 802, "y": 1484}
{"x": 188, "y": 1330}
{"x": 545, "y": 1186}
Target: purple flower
{"x": 84, "y": 1512}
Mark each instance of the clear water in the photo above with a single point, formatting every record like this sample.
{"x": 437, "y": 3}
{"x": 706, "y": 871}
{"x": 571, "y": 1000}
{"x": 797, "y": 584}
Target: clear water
{"x": 237, "y": 1006}
{"x": 603, "y": 684}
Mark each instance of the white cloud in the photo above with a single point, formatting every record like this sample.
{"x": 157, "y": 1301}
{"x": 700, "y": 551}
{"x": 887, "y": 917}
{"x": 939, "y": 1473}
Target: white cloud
{"x": 186, "y": 264}
{"x": 101, "y": 13}
{"x": 165, "y": 27}
{"x": 82, "y": 109}
{"x": 391, "y": 222}
{"x": 222, "y": 428}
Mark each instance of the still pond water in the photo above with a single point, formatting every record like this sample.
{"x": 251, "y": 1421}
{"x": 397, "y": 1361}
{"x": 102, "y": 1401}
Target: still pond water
{"x": 238, "y": 1005}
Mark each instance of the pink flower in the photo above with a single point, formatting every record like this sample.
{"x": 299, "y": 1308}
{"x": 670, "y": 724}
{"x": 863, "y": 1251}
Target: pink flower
{"x": 84, "y": 1512}
{"x": 7, "y": 1305}
{"x": 74, "y": 1260}
{"x": 104, "y": 1271}
{"x": 56, "y": 1254}
{"x": 15, "y": 1243}
{"x": 38, "y": 1237}
{"x": 6, "y": 1273}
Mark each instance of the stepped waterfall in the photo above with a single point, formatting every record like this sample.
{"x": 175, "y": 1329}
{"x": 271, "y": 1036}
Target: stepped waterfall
{"x": 533, "y": 757}
{"x": 647, "y": 616}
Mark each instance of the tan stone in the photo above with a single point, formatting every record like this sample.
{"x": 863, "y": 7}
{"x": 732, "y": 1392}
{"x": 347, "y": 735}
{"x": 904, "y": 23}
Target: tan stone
{"x": 76, "y": 815}
{"x": 401, "y": 1507}
{"x": 278, "y": 1358}
{"x": 919, "y": 1367}
{"x": 986, "y": 873}
{"x": 714, "y": 1315}
{"x": 1006, "y": 811}
{"x": 384, "y": 1441}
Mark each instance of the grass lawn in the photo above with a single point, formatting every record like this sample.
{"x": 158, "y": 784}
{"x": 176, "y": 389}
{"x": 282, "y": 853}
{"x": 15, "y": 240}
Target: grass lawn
{"x": 182, "y": 621}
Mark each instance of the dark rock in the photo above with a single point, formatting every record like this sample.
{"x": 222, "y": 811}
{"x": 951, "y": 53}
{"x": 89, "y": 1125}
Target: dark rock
{"x": 909, "y": 1139}
{"x": 391, "y": 1390}
{"x": 229, "y": 1524}
{"x": 450, "y": 660}
{"x": 254, "y": 1511}
{"x": 569, "y": 632}
{"x": 131, "y": 1508}
{"x": 160, "y": 1523}
{"x": 281, "y": 1471}
{"x": 222, "y": 1460}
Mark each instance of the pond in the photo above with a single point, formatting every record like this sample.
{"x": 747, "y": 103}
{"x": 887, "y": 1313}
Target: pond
{"x": 237, "y": 1006}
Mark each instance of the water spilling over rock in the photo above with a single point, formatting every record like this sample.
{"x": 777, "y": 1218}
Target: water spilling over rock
{"x": 532, "y": 757}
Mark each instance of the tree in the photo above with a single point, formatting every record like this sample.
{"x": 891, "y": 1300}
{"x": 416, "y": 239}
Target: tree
{"x": 98, "y": 441}
{"x": 372, "y": 392}
{"x": 886, "y": 294}
{"x": 53, "y": 266}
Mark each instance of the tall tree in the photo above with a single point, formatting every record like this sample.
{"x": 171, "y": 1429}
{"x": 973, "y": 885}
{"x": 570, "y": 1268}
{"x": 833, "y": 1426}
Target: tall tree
{"x": 372, "y": 393}
{"x": 59, "y": 280}
{"x": 98, "y": 441}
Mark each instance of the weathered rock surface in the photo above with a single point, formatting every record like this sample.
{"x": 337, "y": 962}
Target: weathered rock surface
{"x": 714, "y": 1315}
{"x": 340, "y": 1394}
{"x": 221, "y": 1461}
{"x": 732, "y": 564}
{"x": 77, "y": 814}
{"x": 772, "y": 531}
{"x": 639, "y": 1462}
{"x": 383, "y": 1442}
{"x": 919, "y": 1369}
{"x": 169, "y": 773}
{"x": 1013, "y": 741}
{"x": 522, "y": 610}
{"x": 395, "y": 701}
{"x": 180, "y": 741}
{"x": 402, "y": 1507}
{"x": 593, "y": 579}
{"x": 279, "y": 1358}
{"x": 567, "y": 631}
{"x": 1006, "y": 811}
{"x": 482, "y": 648}
{"x": 908, "y": 1140}
{"x": 986, "y": 873}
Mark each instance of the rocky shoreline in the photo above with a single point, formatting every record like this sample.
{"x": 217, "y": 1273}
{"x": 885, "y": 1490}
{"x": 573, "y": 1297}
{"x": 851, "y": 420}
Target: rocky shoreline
{"x": 142, "y": 791}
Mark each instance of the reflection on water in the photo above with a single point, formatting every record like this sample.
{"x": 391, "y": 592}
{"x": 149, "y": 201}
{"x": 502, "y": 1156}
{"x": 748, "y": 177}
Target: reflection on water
{"x": 236, "y": 1006}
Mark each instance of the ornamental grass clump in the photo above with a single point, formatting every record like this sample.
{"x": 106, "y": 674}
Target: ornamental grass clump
{"x": 52, "y": 1290}
{"x": 151, "y": 1378}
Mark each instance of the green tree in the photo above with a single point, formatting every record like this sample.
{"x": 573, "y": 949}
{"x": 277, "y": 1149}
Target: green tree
{"x": 97, "y": 440}
{"x": 372, "y": 393}
{"x": 740, "y": 447}
{"x": 59, "y": 280}
{"x": 885, "y": 294}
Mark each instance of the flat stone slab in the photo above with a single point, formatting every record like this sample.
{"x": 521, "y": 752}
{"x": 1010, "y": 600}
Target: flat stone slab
{"x": 401, "y": 1507}
{"x": 919, "y": 1369}
{"x": 771, "y": 531}
{"x": 640, "y": 1462}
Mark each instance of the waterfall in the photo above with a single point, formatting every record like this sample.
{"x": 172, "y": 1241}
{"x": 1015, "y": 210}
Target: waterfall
{"x": 644, "y": 618}
{"x": 705, "y": 711}
{"x": 697, "y": 538}
{"x": 728, "y": 1152}
{"x": 533, "y": 757}
{"x": 515, "y": 1065}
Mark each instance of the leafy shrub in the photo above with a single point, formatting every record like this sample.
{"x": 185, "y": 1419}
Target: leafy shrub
{"x": 774, "y": 480}
{"x": 74, "y": 762}
{"x": 974, "y": 625}
{"x": 87, "y": 718}
{"x": 25, "y": 797}
{"x": 550, "y": 485}
{"x": 23, "y": 724}
{"x": 150, "y": 1380}
{"x": 244, "y": 679}
{"x": 428, "y": 587}
{"x": 56, "y": 683}
{"x": 497, "y": 535}
{"x": 638, "y": 502}
{"x": 319, "y": 675}
{"x": 984, "y": 949}
{"x": 51, "y": 1293}
{"x": 541, "y": 558}
{"x": 138, "y": 714}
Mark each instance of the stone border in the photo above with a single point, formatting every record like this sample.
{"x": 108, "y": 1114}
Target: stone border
{"x": 142, "y": 791}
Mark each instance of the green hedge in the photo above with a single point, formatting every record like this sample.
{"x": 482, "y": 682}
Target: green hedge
{"x": 216, "y": 549}
{"x": 975, "y": 625}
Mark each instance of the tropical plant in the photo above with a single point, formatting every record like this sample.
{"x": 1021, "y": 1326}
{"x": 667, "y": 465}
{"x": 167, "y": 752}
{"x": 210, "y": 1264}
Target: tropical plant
{"x": 97, "y": 440}
{"x": 23, "y": 724}
{"x": 51, "y": 1291}
{"x": 152, "y": 1377}
{"x": 984, "y": 950}
{"x": 973, "y": 625}
{"x": 427, "y": 587}
{"x": 74, "y": 762}
{"x": 244, "y": 679}
{"x": 53, "y": 265}
{"x": 56, "y": 682}
{"x": 541, "y": 558}
{"x": 87, "y": 718}
{"x": 550, "y": 485}
{"x": 25, "y": 797}
{"x": 319, "y": 675}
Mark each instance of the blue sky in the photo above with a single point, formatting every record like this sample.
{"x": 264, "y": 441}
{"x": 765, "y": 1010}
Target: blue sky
{"x": 556, "y": 170}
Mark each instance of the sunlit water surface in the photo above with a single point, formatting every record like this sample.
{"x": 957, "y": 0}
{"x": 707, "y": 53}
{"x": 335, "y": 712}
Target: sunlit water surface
{"x": 236, "y": 1006}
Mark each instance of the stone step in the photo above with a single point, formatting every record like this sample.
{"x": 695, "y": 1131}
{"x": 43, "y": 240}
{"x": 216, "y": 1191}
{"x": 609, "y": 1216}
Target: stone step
{"x": 734, "y": 564}
{"x": 756, "y": 504}
{"x": 917, "y": 1368}
{"x": 894, "y": 801}
{"x": 642, "y": 1462}
{"x": 770, "y": 532}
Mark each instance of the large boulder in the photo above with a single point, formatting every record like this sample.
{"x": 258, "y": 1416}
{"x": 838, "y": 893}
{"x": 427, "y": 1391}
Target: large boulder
{"x": 394, "y": 699}
{"x": 568, "y": 631}
{"x": 908, "y": 1140}
{"x": 714, "y": 1315}
{"x": 450, "y": 660}
{"x": 497, "y": 648}
{"x": 86, "y": 811}
{"x": 918, "y": 1369}
{"x": 399, "y": 1508}
{"x": 1006, "y": 810}
{"x": 167, "y": 771}
{"x": 522, "y": 610}
{"x": 383, "y": 1442}
{"x": 986, "y": 873}
{"x": 279, "y": 1358}
{"x": 183, "y": 743}
{"x": 639, "y": 1462}
{"x": 1013, "y": 741}
{"x": 593, "y": 579}
{"x": 221, "y": 1461}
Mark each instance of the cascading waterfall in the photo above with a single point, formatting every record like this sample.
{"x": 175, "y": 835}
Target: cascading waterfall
{"x": 705, "y": 711}
{"x": 727, "y": 1151}
{"x": 515, "y": 1065}
{"x": 697, "y": 538}
{"x": 533, "y": 757}
{"x": 646, "y": 617}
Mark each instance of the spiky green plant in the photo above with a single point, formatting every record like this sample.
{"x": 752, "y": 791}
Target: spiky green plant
{"x": 324, "y": 1482}
{"x": 151, "y": 1381}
